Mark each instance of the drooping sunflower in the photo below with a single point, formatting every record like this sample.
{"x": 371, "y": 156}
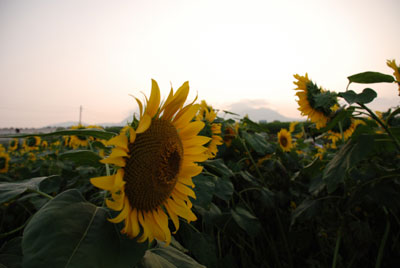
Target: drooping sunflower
{"x": 317, "y": 104}
{"x": 78, "y": 141}
{"x": 13, "y": 145}
{"x": 4, "y": 162}
{"x": 207, "y": 114}
{"x": 156, "y": 162}
{"x": 32, "y": 143}
{"x": 392, "y": 64}
{"x": 285, "y": 140}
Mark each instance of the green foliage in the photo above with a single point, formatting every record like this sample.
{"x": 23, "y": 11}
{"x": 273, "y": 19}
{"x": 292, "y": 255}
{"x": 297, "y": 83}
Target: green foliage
{"x": 331, "y": 201}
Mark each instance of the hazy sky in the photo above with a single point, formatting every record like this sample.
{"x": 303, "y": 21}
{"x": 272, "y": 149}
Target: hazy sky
{"x": 58, "y": 55}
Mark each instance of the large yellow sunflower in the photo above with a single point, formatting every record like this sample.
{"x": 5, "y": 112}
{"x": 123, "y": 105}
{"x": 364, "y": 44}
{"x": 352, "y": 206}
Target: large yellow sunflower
{"x": 285, "y": 140}
{"x": 307, "y": 92}
{"x": 206, "y": 113}
{"x": 392, "y": 64}
{"x": 32, "y": 143}
{"x": 4, "y": 160}
{"x": 156, "y": 161}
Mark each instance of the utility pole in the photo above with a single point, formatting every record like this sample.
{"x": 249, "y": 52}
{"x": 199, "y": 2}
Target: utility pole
{"x": 80, "y": 115}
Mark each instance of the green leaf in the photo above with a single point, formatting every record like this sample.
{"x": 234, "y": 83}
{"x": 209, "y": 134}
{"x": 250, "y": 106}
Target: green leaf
{"x": 223, "y": 188}
{"x": 81, "y": 157}
{"x": 364, "y": 97}
{"x": 217, "y": 166}
{"x": 306, "y": 210}
{"x": 162, "y": 256}
{"x": 204, "y": 190}
{"x": 247, "y": 221}
{"x": 96, "y": 133}
{"x": 70, "y": 232}
{"x": 258, "y": 143}
{"x": 347, "y": 157}
{"x": 370, "y": 78}
{"x": 10, "y": 190}
{"x": 11, "y": 253}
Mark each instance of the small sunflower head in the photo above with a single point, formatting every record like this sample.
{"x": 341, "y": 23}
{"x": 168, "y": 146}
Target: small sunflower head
{"x": 32, "y": 143}
{"x": 4, "y": 162}
{"x": 285, "y": 140}
{"x": 396, "y": 68}
{"x": 13, "y": 145}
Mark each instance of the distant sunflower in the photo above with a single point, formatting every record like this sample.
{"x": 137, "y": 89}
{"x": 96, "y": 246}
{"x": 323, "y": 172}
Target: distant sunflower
{"x": 78, "y": 141}
{"x": 4, "y": 162}
{"x": 285, "y": 140}
{"x": 13, "y": 145}
{"x": 392, "y": 64}
{"x": 308, "y": 92}
{"x": 230, "y": 134}
{"x": 157, "y": 163}
{"x": 208, "y": 115}
{"x": 348, "y": 127}
{"x": 45, "y": 144}
{"x": 32, "y": 143}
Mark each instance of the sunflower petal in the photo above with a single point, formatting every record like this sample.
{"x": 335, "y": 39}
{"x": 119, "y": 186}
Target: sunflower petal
{"x": 173, "y": 216}
{"x": 185, "y": 116}
{"x": 185, "y": 190}
{"x": 118, "y": 161}
{"x": 154, "y": 101}
{"x": 161, "y": 218}
{"x": 182, "y": 211}
{"x": 119, "y": 141}
{"x": 104, "y": 182}
{"x": 135, "y": 222}
{"x": 124, "y": 213}
{"x": 194, "y": 150}
{"x": 190, "y": 170}
{"x": 196, "y": 141}
{"x": 192, "y": 129}
{"x": 144, "y": 123}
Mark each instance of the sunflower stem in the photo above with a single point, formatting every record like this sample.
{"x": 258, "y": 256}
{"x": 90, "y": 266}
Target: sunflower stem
{"x": 383, "y": 241}
{"x": 336, "y": 253}
{"x": 41, "y": 193}
{"x": 251, "y": 158}
{"x": 376, "y": 118}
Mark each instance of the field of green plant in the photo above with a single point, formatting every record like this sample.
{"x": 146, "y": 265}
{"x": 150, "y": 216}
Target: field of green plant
{"x": 182, "y": 187}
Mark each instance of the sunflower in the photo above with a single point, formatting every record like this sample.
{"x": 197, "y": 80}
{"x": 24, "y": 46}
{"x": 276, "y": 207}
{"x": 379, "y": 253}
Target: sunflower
{"x": 13, "y": 145}
{"x": 206, "y": 113}
{"x": 78, "y": 141}
{"x": 31, "y": 143}
{"x": 392, "y": 64}
{"x": 155, "y": 164}
{"x": 4, "y": 160}
{"x": 309, "y": 94}
{"x": 348, "y": 127}
{"x": 285, "y": 140}
{"x": 230, "y": 134}
{"x": 45, "y": 144}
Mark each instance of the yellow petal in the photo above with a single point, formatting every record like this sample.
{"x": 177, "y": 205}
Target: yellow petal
{"x": 192, "y": 129}
{"x": 186, "y": 180}
{"x": 119, "y": 178}
{"x": 157, "y": 231}
{"x": 177, "y": 101}
{"x": 194, "y": 150}
{"x": 124, "y": 213}
{"x": 190, "y": 170}
{"x": 120, "y": 141}
{"x": 135, "y": 222}
{"x": 144, "y": 123}
{"x": 184, "y": 190}
{"x": 161, "y": 218}
{"x": 115, "y": 205}
{"x": 140, "y": 106}
{"x": 196, "y": 158}
{"x": 154, "y": 101}
{"x": 104, "y": 182}
{"x": 196, "y": 141}
{"x": 147, "y": 234}
{"x": 173, "y": 216}
{"x": 185, "y": 116}
{"x": 118, "y": 152}
{"x": 182, "y": 211}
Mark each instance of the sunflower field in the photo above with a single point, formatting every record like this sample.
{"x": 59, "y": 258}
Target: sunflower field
{"x": 181, "y": 186}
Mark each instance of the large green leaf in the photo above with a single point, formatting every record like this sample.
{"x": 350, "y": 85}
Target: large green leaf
{"x": 96, "y": 133}
{"x": 81, "y": 157}
{"x": 10, "y": 190}
{"x": 370, "y": 77}
{"x": 246, "y": 220}
{"x": 364, "y": 97}
{"x": 306, "y": 210}
{"x": 161, "y": 256}
{"x": 223, "y": 188}
{"x": 205, "y": 186}
{"x": 218, "y": 167}
{"x": 11, "y": 253}
{"x": 258, "y": 143}
{"x": 70, "y": 232}
{"x": 348, "y": 156}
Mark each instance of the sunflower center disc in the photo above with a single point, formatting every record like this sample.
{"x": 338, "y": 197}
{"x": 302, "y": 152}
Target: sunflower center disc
{"x": 284, "y": 141}
{"x": 2, "y": 163}
{"x": 154, "y": 163}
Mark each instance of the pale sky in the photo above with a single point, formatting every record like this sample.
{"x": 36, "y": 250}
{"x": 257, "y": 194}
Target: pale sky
{"x": 58, "y": 55}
